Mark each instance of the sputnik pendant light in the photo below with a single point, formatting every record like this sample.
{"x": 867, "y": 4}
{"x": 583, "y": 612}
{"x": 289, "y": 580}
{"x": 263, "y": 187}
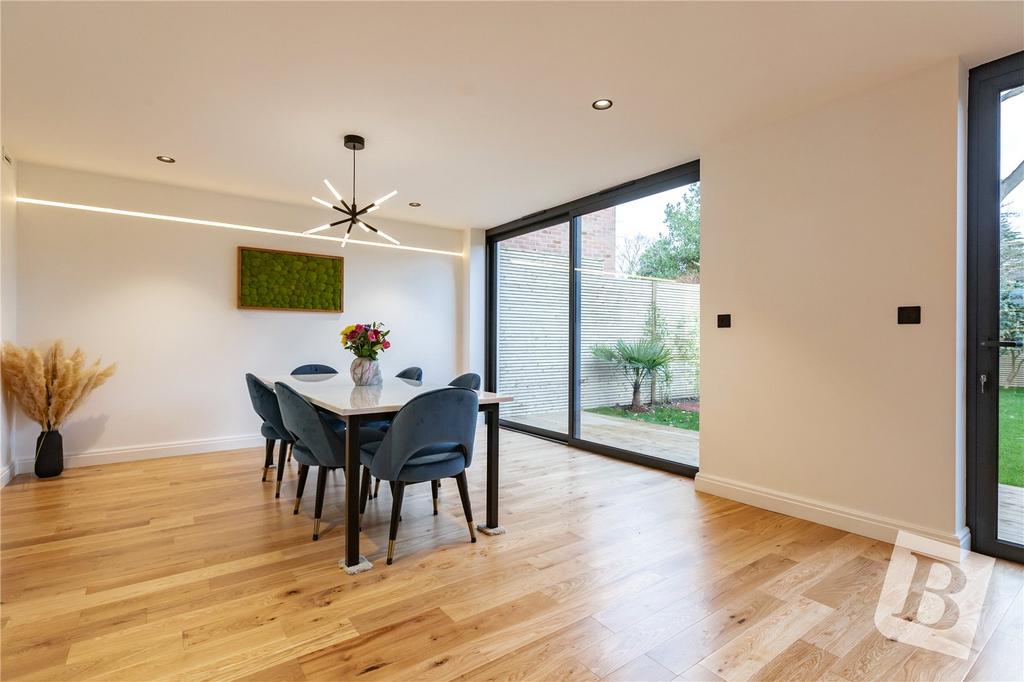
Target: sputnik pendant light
{"x": 354, "y": 214}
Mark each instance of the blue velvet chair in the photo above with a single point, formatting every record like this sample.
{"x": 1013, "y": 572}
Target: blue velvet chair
{"x": 265, "y": 403}
{"x": 305, "y": 370}
{"x": 411, "y": 373}
{"x": 430, "y": 438}
{"x": 319, "y": 442}
{"x": 469, "y": 380}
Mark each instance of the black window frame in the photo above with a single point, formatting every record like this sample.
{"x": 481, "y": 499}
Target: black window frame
{"x": 571, "y": 212}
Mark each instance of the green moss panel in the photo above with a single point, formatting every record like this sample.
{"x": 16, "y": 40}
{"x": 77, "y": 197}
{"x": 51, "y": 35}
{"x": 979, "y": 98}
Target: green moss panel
{"x": 271, "y": 279}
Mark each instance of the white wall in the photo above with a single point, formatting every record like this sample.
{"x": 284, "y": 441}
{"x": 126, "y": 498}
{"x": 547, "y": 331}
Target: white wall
{"x": 160, "y": 299}
{"x": 815, "y": 403}
{"x": 474, "y": 308}
{"x": 8, "y": 304}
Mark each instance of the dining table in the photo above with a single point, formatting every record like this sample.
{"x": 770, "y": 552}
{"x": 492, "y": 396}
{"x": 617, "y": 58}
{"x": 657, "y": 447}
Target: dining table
{"x": 358, "y": 405}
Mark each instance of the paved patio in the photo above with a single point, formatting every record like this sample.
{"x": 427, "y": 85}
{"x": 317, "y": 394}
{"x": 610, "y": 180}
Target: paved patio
{"x": 1011, "y": 514}
{"x": 656, "y": 440}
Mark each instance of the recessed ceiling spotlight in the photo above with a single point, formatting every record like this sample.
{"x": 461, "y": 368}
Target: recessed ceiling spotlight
{"x": 602, "y": 104}
{"x": 415, "y": 204}
{"x": 165, "y": 159}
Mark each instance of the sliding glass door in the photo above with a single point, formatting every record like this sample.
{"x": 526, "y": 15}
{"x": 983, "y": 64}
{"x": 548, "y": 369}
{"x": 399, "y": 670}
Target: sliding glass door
{"x": 639, "y": 370}
{"x": 594, "y": 319}
{"x": 532, "y": 330}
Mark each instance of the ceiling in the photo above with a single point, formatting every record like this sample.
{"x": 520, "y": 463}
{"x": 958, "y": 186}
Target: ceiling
{"x": 480, "y": 111}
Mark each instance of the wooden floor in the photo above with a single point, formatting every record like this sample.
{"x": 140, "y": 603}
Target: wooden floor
{"x": 188, "y": 568}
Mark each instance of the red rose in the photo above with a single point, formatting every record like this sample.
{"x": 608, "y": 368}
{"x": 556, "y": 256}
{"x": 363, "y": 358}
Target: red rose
{"x": 386, "y": 345}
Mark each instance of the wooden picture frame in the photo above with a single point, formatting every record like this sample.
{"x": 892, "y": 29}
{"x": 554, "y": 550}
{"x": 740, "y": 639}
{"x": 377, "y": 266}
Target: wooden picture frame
{"x": 244, "y": 280}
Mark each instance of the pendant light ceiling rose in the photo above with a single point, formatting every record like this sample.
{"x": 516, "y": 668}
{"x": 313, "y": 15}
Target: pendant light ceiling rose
{"x": 355, "y": 142}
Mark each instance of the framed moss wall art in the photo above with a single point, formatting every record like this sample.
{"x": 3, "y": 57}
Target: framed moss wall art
{"x": 286, "y": 280}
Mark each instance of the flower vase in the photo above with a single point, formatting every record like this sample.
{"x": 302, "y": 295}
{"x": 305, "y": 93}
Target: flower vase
{"x": 365, "y": 372}
{"x": 49, "y": 454}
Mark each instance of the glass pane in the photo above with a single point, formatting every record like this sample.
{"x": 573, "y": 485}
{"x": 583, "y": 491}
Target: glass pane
{"x": 533, "y": 327}
{"x": 640, "y": 325}
{"x": 1011, "y": 317}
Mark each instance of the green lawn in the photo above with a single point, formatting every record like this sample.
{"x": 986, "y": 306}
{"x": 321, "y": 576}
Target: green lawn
{"x": 1011, "y": 436}
{"x": 658, "y": 415}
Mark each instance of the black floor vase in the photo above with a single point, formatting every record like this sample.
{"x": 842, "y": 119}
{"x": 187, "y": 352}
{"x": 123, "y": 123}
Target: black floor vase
{"x": 49, "y": 454}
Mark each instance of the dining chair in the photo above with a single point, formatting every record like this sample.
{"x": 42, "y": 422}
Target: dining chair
{"x": 430, "y": 438}
{"x": 273, "y": 429}
{"x": 319, "y": 442}
{"x": 469, "y": 380}
{"x": 412, "y": 373}
{"x": 303, "y": 370}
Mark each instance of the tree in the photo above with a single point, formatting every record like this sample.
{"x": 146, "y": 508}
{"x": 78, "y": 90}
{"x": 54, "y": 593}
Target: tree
{"x": 627, "y": 256}
{"x": 1011, "y": 294}
{"x": 638, "y": 360}
{"x": 675, "y": 254}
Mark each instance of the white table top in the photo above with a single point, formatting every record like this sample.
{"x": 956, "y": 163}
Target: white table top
{"x": 336, "y": 393}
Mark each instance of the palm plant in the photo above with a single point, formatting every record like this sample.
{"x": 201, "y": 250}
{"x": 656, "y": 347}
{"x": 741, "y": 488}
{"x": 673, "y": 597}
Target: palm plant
{"x": 638, "y": 361}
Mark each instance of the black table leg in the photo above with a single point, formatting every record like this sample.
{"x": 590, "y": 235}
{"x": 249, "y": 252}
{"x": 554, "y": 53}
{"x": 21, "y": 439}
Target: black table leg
{"x": 353, "y": 563}
{"x": 492, "y": 527}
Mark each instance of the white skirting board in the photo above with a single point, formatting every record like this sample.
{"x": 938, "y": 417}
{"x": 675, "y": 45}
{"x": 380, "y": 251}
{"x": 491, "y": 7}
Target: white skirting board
{"x": 150, "y": 451}
{"x": 850, "y": 520}
{"x": 6, "y": 474}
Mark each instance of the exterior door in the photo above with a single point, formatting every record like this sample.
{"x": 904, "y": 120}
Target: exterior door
{"x": 995, "y": 352}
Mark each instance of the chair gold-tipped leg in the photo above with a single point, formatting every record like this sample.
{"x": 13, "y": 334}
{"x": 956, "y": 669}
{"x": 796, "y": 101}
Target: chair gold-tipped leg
{"x": 460, "y": 479}
{"x": 316, "y": 529}
{"x": 396, "y": 514}
{"x": 265, "y": 470}
{"x": 277, "y": 493}
{"x": 300, "y": 486}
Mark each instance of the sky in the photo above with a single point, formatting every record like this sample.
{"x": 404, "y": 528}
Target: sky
{"x": 644, "y": 216}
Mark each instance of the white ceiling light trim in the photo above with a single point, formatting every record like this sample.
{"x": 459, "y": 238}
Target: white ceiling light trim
{"x": 230, "y": 226}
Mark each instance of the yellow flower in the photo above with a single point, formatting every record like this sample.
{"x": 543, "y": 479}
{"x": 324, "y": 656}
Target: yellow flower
{"x": 346, "y": 330}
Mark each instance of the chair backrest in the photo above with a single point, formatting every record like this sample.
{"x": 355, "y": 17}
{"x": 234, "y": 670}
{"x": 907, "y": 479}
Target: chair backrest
{"x": 265, "y": 403}
{"x": 469, "y": 380}
{"x": 414, "y": 373}
{"x": 309, "y": 427}
{"x": 446, "y": 415}
{"x": 313, "y": 369}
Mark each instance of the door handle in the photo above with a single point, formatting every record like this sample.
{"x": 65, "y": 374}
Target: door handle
{"x": 1002, "y": 344}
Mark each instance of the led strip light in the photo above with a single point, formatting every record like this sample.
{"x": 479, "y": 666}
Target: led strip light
{"x": 230, "y": 226}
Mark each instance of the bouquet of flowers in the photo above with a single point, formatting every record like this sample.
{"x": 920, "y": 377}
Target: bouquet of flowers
{"x": 365, "y": 340}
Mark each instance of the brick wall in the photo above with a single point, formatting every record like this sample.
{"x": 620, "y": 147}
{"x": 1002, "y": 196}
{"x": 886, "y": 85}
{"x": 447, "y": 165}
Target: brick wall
{"x": 598, "y": 239}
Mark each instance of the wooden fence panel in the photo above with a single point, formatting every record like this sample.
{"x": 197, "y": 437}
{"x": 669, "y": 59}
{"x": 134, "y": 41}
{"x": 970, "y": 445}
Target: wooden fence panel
{"x": 533, "y": 327}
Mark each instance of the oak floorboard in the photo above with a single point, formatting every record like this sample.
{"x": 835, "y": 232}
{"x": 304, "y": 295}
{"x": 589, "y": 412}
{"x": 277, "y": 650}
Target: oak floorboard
{"x": 188, "y": 568}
